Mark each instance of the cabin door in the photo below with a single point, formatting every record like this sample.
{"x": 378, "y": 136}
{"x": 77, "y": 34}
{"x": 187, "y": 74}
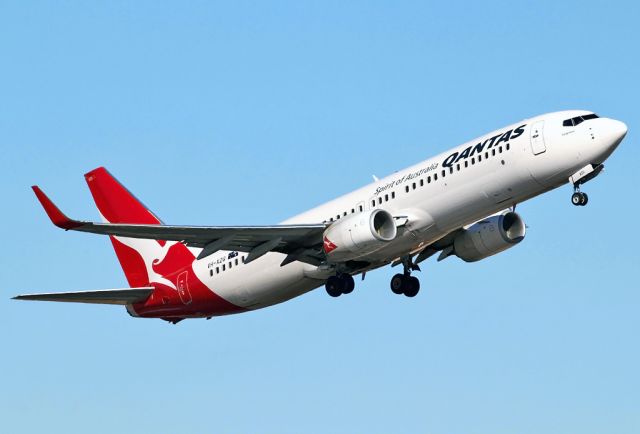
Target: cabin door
{"x": 537, "y": 138}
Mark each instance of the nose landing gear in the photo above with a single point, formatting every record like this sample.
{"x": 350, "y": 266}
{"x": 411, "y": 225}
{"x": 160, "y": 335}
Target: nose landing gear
{"x": 587, "y": 173}
{"x": 579, "y": 198}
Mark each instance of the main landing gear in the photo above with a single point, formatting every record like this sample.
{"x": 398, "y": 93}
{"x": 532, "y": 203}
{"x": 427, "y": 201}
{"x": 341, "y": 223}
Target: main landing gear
{"x": 340, "y": 284}
{"x": 405, "y": 283}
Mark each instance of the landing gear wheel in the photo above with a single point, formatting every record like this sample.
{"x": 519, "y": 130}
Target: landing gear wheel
{"x": 412, "y": 286}
{"x": 576, "y": 198}
{"x": 347, "y": 283}
{"x": 338, "y": 285}
{"x": 397, "y": 284}
{"x": 334, "y": 286}
{"x": 405, "y": 284}
{"x": 585, "y": 199}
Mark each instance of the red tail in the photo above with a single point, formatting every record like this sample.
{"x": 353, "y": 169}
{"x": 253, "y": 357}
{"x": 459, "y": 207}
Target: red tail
{"x": 117, "y": 205}
{"x": 115, "y": 202}
{"x": 167, "y": 266}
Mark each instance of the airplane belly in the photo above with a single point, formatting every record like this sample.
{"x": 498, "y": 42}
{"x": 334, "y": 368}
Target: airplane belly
{"x": 260, "y": 283}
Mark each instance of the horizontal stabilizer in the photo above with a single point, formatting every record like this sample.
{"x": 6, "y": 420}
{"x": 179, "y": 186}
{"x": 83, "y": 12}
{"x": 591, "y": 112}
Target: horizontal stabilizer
{"x": 104, "y": 296}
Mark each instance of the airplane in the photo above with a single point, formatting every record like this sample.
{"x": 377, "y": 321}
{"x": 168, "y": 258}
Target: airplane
{"x": 459, "y": 203}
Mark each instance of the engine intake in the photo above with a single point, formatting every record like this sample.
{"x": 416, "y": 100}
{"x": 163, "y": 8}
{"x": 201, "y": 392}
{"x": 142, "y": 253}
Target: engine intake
{"x": 489, "y": 236}
{"x": 358, "y": 235}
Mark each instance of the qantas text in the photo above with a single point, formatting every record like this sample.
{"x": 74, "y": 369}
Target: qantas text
{"x": 489, "y": 143}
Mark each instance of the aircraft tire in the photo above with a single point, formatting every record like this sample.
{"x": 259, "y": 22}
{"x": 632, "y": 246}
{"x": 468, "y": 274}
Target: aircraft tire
{"x": 576, "y": 198}
{"x": 585, "y": 199}
{"x": 398, "y": 284}
{"x": 334, "y": 286}
{"x": 347, "y": 283}
{"x": 412, "y": 286}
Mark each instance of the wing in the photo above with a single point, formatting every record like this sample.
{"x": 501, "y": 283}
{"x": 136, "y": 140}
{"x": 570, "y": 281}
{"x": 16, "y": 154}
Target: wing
{"x": 104, "y": 296}
{"x": 299, "y": 242}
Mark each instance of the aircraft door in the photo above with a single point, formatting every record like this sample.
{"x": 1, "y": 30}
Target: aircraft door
{"x": 182, "y": 285}
{"x": 537, "y": 138}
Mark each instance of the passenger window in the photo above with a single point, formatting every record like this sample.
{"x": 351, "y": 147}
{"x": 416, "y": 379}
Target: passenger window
{"x": 338, "y": 217}
{"x": 230, "y": 264}
{"x": 223, "y": 267}
{"x": 353, "y": 211}
{"x": 211, "y": 272}
{"x": 236, "y": 261}
{"x": 344, "y": 214}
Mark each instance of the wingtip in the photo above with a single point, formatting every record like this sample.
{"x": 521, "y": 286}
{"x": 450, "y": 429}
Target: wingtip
{"x": 56, "y": 216}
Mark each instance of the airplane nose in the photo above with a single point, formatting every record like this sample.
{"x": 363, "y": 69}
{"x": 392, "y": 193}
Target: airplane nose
{"x": 621, "y": 130}
{"x": 618, "y": 130}
{"x": 613, "y": 133}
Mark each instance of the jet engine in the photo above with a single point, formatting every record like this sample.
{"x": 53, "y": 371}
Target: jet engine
{"x": 489, "y": 236}
{"x": 357, "y": 235}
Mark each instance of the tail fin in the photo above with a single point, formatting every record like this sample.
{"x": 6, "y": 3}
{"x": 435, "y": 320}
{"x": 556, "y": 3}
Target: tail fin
{"x": 115, "y": 203}
{"x": 139, "y": 258}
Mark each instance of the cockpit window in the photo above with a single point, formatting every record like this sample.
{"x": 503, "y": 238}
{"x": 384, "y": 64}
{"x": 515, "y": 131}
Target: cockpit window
{"x": 578, "y": 120}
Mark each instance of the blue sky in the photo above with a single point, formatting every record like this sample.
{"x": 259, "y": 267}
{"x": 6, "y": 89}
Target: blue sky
{"x": 250, "y": 112}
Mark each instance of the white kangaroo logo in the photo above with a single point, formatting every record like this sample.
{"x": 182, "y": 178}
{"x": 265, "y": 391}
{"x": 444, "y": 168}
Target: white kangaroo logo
{"x": 151, "y": 253}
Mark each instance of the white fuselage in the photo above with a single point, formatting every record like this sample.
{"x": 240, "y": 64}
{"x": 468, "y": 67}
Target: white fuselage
{"x": 433, "y": 198}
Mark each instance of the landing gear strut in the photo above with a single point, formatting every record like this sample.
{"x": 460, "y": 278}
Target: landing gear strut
{"x": 405, "y": 283}
{"x": 587, "y": 173}
{"x": 340, "y": 284}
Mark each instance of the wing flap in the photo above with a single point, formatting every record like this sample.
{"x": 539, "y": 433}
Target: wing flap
{"x": 122, "y": 296}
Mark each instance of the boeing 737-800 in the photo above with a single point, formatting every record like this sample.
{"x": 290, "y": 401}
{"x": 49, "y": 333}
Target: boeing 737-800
{"x": 459, "y": 203}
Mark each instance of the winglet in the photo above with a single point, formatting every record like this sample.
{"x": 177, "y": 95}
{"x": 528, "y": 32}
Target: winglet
{"x": 56, "y": 216}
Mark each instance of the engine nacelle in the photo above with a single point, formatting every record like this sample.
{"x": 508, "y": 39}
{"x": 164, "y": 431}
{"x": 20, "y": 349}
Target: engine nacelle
{"x": 489, "y": 236}
{"x": 357, "y": 235}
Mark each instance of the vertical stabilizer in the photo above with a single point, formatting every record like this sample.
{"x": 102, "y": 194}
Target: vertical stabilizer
{"x": 142, "y": 260}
